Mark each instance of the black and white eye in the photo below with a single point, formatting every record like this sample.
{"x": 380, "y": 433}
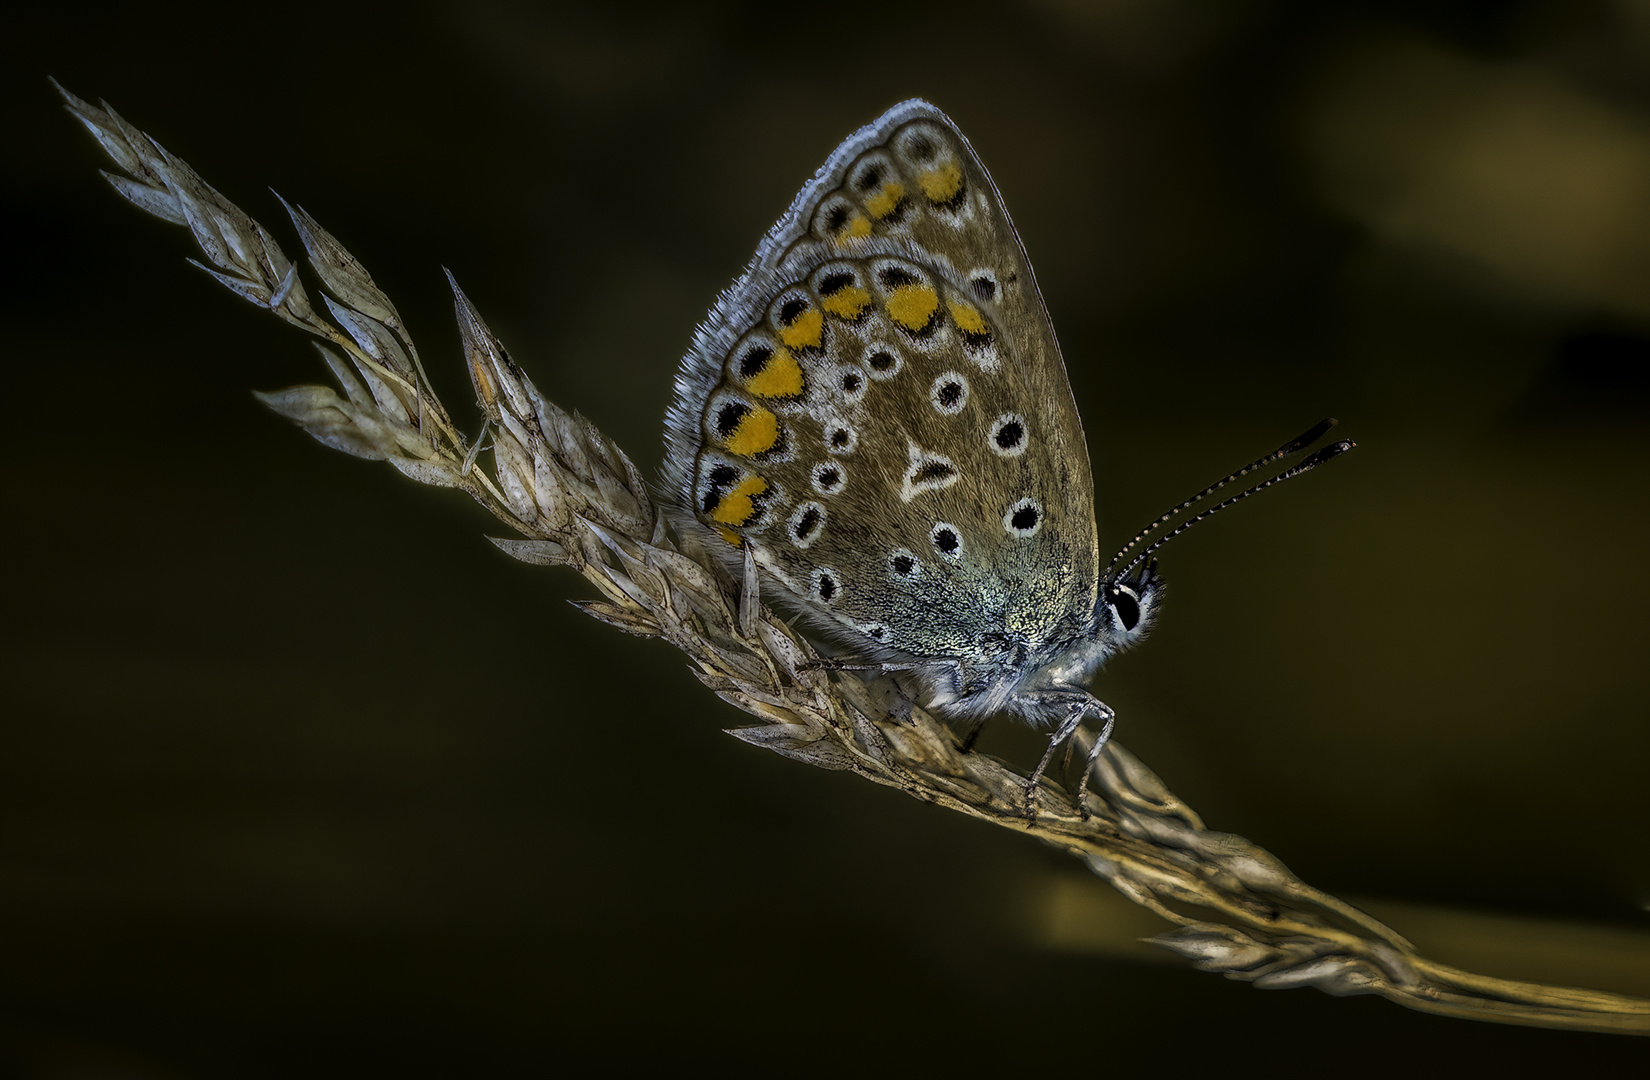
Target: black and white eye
{"x": 1008, "y": 435}
{"x": 904, "y": 565}
{"x": 1024, "y": 518}
{"x": 806, "y": 524}
{"x": 1125, "y": 603}
{"x": 949, "y": 394}
{"x": 829, "y": 477}
{"x": 874, "y": 630}
{"x": 826, "y": 585}
{"x": 983, "y": 284}
{"x": 840, "y": 439}
{"x": 882, "y": 361}
{"x": 946, "y": 540}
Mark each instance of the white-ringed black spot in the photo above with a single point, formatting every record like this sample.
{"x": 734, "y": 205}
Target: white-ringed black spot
{"x": 920, "y": 147}
{"x": 946, "y": 540}
{"x": 983, "y": 284}
{"x": 868, "y": 178}
{"x": 829, "y": 477}
{"x": 883, "y": 360}
{"x": 827, "y": 585}
{"x": 840, "y": 439}
{"x": 1024, "y": 518}
{"x": 1008, "y": 435}
{"x": 949, "y": 394}
{"x": 851, "y": 382}
{"x": 904, "y": 565}
{"x": 806, "y": 523}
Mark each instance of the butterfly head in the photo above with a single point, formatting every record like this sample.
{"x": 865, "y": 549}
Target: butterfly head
{"x": 1128, "y": 606}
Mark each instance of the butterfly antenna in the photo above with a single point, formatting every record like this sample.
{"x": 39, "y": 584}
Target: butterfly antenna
{"x": 1333, "y": 450}
{"x": 1298, "y": 443}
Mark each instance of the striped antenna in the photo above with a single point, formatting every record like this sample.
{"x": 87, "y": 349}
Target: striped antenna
{"x": 1333, "y": 450}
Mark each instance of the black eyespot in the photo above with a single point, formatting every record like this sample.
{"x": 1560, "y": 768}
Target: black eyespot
{"x": 892, "y": 277}
{"x": 831, "y": 284}
{"x": 949, "y": 393}
{"x": 840, "y": 438}
{"x": 1010, "y": 434}
{"x": 930, "y": 471}
{"x": 920, "y": 148}
{"x": 723, "y": 475}
{"x": 752, "y": 363}
{"x": 828, "y": 479}
{"x": 984, "y": 287}
{"x": 878, "y": 632}
{"x": 881, "y": 360}
{"x": 945, "y": 539}
{"x": 836, "y": 217}
{"x": 869, "y": 178}
{"x": 806, "y": 524}
{"x": 1127, "y": 608}
{"x": 903, "y": 564}
{"x": 792, "y": 310}
{"x": 825, "y": 585}
{"x": 851, "y": 381}
{"x": 1023, "y": 519}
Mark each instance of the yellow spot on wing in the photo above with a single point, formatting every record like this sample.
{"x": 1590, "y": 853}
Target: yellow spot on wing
{"x": 779, "y": 377}
{"x": 858, "y": 226}
{"x": 757, "y": 431}
{"x": 805, "y": 333}
{"x": 847, "y": 302}
{"x": 886, "y": 200}
{"x": 730, "y": 536}
{"x": 737, "y": 507}
{"x": 968, "y": 318}
{"x": 912, "y": 306}
{"x": 940, "y": 185}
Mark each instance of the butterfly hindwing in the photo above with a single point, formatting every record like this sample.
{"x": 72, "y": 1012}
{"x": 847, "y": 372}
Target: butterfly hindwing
{"x": 880, "y": 409}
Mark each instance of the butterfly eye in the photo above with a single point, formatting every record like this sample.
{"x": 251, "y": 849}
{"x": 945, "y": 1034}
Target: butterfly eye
{"x": 1127, "y": 606}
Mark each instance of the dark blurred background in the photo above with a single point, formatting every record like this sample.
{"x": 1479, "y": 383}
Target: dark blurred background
{"x": 299, "y": 776}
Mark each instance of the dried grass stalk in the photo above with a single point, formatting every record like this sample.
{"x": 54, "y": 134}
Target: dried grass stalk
{"x": 576, "y": 500}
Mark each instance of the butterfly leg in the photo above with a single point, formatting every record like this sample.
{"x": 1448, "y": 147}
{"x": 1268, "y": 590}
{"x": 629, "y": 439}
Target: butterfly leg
{"x": 1079, "y": 705}
{"x": 1108, "y": 718}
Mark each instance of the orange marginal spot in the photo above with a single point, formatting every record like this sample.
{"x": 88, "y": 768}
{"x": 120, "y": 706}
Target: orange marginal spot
{"x": 886, "y": 200}
{"x": 912, "y": 306}
{"x": 968, "y": 319}
{"x": 730, "y": 536}
{"x": 807, "y": 332}
{"x": 941, "y": 185}
{"x": 779, "y": 377}
{"x": 858, "y": 227}
{"x": 847, "y": 302}
{"x": 758, "y": 430}
{"x": 738, "y": 506}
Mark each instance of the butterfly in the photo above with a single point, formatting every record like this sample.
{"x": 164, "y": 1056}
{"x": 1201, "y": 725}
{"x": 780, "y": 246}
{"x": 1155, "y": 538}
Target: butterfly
{"x": 878, "y": 416}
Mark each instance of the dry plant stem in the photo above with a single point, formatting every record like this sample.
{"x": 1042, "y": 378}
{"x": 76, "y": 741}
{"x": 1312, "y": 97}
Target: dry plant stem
{"x": 576, "y": 500}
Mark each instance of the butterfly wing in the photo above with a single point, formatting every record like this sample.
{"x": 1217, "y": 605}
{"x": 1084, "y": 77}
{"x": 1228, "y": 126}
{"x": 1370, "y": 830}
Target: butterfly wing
{"x": 879, "y": 407}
